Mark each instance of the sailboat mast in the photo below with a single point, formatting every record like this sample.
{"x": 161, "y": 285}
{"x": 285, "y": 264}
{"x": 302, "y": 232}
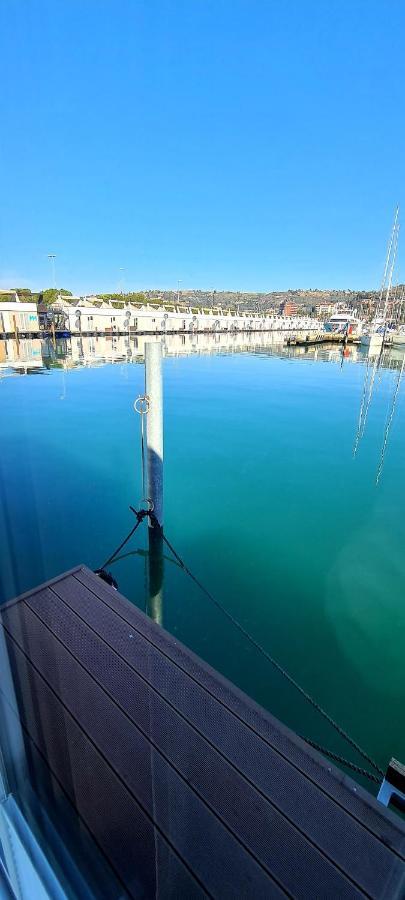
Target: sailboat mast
{"x": 394, "y": 255}
{"x": 387, "y": 263}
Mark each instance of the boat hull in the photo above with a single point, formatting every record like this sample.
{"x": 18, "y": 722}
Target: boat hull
{"x": 398, "y": 339}
{"x": 374, "y": 341}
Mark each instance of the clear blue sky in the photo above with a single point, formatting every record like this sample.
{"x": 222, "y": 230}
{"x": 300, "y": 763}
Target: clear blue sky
{"x": 241, "y": 144}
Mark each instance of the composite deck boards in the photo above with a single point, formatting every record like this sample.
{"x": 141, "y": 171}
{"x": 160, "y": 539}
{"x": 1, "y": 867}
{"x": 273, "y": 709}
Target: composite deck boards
{"x": 185, "y": 785}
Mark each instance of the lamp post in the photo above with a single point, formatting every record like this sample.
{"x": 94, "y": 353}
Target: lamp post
{"x": 52, "y": 257}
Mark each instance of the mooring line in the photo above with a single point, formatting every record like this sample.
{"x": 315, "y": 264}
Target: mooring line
{"x": 342, "y": 761}
{"x": 268, "y": 656}
{"x": 143, "y": 514}
{"x": 140, "y": 515}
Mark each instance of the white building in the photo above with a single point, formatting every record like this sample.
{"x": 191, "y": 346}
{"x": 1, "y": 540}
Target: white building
{"x": 18, "y": 319}
{"x": 98, "y": 317}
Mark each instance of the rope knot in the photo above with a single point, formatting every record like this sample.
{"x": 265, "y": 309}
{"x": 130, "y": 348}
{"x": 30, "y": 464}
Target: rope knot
{"x": 139, "y": 513}
{"x": 154, "y": 521}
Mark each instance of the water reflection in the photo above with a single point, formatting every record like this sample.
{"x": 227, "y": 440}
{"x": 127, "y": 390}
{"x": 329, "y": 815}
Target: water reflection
{"x": 376, "y": 360}
{"x": 27, "y": 357}
{"x": 35, "y": 356}
{"x": 22, "y": 357}
{"x": 390, "y": 419}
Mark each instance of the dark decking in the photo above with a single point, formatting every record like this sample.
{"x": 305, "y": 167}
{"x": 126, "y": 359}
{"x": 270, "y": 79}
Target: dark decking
{"x": 186, "y": 786}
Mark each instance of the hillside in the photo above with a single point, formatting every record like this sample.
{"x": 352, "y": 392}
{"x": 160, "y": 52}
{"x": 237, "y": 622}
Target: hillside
{"x": 307, "y": 300}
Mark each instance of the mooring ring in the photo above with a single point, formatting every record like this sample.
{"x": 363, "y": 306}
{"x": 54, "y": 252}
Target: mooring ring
{"x": 142, "y": 405}
{"x": 149, "y": 508}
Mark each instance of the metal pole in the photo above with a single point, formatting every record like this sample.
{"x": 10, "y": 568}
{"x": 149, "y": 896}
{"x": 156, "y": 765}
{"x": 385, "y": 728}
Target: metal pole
{"x": 52, "y": 257}
{"x": 154, "y": 469}
{"x": 154, "y": 426}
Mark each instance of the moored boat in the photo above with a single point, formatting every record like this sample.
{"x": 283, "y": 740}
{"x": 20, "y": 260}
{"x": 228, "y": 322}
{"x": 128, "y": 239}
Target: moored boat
{"x": 344, "y": 322}
{"x": 398, "y": 337}
{"x": 372, "y": 339}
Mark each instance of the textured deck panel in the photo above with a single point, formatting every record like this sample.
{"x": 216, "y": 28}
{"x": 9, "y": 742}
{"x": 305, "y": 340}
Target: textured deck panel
{"x": 186, "y": 786}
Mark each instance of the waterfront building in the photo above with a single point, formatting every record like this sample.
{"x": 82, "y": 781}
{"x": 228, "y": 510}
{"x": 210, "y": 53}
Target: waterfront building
{"x": 94, "y": 316}
{"x": 289, "y": 308}
{"x": 18, "y": 319}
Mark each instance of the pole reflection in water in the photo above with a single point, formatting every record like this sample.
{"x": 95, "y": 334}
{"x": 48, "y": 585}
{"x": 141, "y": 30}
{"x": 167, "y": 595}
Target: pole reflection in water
{"x": 155, "y": 576}
{"x": 390, "y": 420}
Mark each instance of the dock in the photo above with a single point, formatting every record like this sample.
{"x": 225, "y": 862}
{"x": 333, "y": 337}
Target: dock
{"x": 322, "y": 337}
{"x": 160, "y": 774}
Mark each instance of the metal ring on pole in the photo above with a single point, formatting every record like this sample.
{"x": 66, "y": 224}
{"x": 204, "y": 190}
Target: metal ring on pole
{"x": 149, "y": 501}
{"x": 142, "y": 405}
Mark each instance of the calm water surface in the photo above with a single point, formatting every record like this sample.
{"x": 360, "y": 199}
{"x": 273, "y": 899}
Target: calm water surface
{"x": 263, "y": 498}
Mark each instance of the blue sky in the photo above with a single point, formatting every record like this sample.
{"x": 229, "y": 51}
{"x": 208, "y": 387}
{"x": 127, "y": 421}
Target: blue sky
{"x": 241, "y": 144}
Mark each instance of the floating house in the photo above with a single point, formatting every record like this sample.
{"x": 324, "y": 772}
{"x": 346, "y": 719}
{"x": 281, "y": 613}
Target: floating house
{"x": 93, "y": 316}
{"x": 99, "y": 317}
{"x": 18, "y": 319}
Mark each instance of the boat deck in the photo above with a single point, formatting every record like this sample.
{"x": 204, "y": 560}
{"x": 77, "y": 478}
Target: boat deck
{"x": 184, "y": 785}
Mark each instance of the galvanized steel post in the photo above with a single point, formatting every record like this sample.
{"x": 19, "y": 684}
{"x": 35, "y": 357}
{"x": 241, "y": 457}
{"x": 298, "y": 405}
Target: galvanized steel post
{"x": 154, "y": 426}
{"x": 154, "y": 474}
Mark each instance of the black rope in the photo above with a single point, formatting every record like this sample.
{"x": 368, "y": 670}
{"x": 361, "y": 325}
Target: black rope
{"x": 267, "y": 655}
{"x": 140, "y": 516}
{"x": 343, "y": 762}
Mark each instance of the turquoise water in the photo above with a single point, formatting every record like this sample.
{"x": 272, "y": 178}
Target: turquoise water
{"x": 263, "y": 499}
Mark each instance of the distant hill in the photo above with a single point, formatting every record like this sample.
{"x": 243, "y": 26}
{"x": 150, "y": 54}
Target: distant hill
{"x": 307, "y": 299}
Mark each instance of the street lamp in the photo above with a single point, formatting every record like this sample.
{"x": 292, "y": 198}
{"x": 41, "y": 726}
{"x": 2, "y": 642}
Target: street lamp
{"x": 52, "y": 257}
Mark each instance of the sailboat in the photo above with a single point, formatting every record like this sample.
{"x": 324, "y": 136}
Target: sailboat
{"x": 373, "y": 337}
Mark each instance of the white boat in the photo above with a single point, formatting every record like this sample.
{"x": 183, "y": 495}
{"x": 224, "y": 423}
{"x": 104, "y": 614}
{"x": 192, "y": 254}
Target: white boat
{"x": 397, "y": 337}
{"x": 373, "y": 334}
{"x": 344, "y": 322}
{"x": 372, "y": 339}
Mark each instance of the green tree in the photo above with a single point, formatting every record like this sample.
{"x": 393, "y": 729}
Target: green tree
{"x": 51, "y": 295}
{"x": 129, "y": 297}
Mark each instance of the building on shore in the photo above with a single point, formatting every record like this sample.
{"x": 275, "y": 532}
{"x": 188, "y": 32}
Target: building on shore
{"x": 289, "y": 308}
{"x": 18, "y": 319}
{"x": 323, "y": 310}
{"x": 95, "y": 316}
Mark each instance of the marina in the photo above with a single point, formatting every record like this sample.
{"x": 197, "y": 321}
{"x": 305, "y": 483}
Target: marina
{"x": 202, "y": 445}
{"x": 98, "y": 680}
{"x": 300, "y": 408}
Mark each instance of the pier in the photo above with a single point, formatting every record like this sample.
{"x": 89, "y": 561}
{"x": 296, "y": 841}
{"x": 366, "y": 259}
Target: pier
{"x": 178, "y": 781}
{"x": 321, "y": 337}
